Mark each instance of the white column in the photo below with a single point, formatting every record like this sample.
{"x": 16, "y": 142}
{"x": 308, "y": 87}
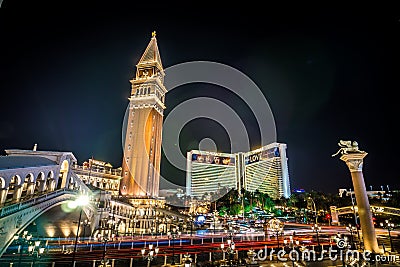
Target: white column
{"x": 354, "y": 162}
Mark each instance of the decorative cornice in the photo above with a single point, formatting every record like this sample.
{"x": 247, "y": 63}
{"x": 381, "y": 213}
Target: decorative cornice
{"x": 354, "y": 161}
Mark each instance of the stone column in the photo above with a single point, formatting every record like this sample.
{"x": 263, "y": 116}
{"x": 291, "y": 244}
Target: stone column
{"x": 354, "y": 162}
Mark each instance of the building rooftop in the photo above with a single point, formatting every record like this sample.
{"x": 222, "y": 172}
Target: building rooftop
{"x": 15, "y": 162}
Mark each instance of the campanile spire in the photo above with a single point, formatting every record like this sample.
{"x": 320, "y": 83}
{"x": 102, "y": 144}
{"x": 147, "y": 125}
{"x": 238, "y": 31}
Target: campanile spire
{"x": 142, "y": 144}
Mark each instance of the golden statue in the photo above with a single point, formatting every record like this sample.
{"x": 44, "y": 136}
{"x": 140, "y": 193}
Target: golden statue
{"x": 348, "y": 147}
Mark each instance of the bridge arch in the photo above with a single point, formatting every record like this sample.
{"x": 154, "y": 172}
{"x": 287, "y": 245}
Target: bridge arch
{"x": 50, "y": 181}
{"x": 15, "y": 218}
{"x": 28, "y": 186}
{"x": 63, "y": 175}
{"x": 3, "y": 191}
{"x": 14, "y": 189}
{"x": 40, "y": 183}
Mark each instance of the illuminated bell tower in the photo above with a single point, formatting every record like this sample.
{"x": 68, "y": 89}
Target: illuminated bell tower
{"x": 142, "y": 144}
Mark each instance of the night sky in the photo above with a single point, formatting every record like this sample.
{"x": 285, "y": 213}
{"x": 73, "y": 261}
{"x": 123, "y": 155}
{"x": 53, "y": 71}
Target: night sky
{"x": 328, "y": 74}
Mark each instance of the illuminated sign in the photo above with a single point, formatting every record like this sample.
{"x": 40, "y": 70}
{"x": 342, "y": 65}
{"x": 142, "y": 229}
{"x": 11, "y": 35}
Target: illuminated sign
{"x": 266, "y": 154}
{"x": 210, "y": 159}
{"x": 253, "y": 158}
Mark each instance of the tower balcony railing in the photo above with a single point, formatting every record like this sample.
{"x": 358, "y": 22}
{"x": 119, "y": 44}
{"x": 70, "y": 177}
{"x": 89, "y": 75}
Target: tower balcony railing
{"x": 116, "y": 172}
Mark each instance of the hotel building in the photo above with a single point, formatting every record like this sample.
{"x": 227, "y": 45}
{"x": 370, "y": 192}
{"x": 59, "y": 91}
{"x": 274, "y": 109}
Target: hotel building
{"x": 265, "y": 169}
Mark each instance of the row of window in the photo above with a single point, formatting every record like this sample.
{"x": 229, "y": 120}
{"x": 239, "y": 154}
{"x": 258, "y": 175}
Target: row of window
{"x": 147, "y": 91}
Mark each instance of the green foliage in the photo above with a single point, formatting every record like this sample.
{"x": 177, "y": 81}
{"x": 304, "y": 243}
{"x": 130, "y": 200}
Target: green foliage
{"x": 235, "y": 209}
{"x": 223, "y": 211}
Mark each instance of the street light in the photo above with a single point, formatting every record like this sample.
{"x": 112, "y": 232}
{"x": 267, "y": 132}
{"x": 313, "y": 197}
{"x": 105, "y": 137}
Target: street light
{"x": 276, "y": 226}
{"x": 85, "y": 223}
{"x": 35, "y": 250}
{"x": 21, "y": 241}
{"x": 81, "y": 201}
{"x": 104, "y": 238}
{"x": 157, "y": 220}
{"x": 351, "y": 229}
{"x": 316, "y": 229}
{"x": 230, "y": 249}
{"x": 341, "y": 246}
{"x": 191, "y": 224}
{"x": 175, "y": 233}
{"x": 151, "y": 255}
{"x": 187, "y": 260}
{"x": 389, "y": 226}
{"x": 291, "y": 243}
{"x": 135, "y": 220}
{"x": 315, "y": 209}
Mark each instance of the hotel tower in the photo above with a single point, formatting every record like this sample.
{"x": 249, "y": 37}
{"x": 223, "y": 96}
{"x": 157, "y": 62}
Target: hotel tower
{"x": 143, "y": 127}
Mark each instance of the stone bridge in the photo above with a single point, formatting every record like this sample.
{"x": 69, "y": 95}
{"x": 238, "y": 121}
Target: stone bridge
{"x": 35, "y": 182}
{"x": 336, "y": 212}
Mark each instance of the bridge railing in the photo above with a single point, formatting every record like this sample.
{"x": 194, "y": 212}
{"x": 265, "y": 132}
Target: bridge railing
{"x": 84, "y": 188}
{"x": 31, "y": 202}
{"x": 375, "y": 209}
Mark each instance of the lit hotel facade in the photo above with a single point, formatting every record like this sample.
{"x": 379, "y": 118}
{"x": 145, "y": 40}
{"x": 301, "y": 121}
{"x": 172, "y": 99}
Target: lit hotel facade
{"x": 265, "y": 169}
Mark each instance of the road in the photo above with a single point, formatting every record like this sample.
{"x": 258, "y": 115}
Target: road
{"x": 204, "y": 247}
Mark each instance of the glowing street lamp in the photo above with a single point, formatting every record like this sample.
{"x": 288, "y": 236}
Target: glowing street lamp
{"x": 21, "y": 241}
{"x": 389, "y": 226}
{"x": 291, "y": 243}
{"x": 81, "y": 201}
{"x": 275, "y": 225}
{"x": 85, "y": 223}
{"x": 35, "y": 250}
{"x": 151, "y": 254}
{"x": 351, "y": 229}
{"x": 187, "y": 260}
{"x": 174, "y": 234}
{"x": 316, "y": 229}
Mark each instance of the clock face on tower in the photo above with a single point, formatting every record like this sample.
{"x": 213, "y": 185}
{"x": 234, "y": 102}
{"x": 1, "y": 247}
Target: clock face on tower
{"x": 145, "y": 73}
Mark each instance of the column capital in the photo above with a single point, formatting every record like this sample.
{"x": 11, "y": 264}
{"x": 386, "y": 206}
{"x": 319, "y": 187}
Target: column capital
{"x": 354, "y": 161}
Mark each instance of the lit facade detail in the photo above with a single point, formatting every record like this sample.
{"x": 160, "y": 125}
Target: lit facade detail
{"x": 99, "y": 174}
{"x": 142, "y": 139}
{"x": 265, "y": 169}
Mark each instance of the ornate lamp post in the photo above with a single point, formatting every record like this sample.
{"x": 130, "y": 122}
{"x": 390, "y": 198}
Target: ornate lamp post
{"x": 104, "y": 238}
{"x": 81, "y": 201}
{"x": 191, "y": 224}
{"x": 187, "y": 260}
{"x": 342, "y": 245}
{"x": 351, "y": 229}
{"x": 135, "y": 220}
{"x": 314, "y": 208}
{"x": 151, "y": 254}
{"x": 291, "y": 244}
{"x": 85, "y": 223}
{"x": 316, "y": 229}
{"x": 157, "y": 226}
{"x": 276, "y": 226}
{"x": 35, "y": 250}
{"x": 230, "y": 249}
{"x": 389, "y": 226}
{"x": 21, "y": 241}
{"x": 174, "y": 234}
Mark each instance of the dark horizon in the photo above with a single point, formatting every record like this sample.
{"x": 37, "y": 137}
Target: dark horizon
{"x": 328, "y": 74}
